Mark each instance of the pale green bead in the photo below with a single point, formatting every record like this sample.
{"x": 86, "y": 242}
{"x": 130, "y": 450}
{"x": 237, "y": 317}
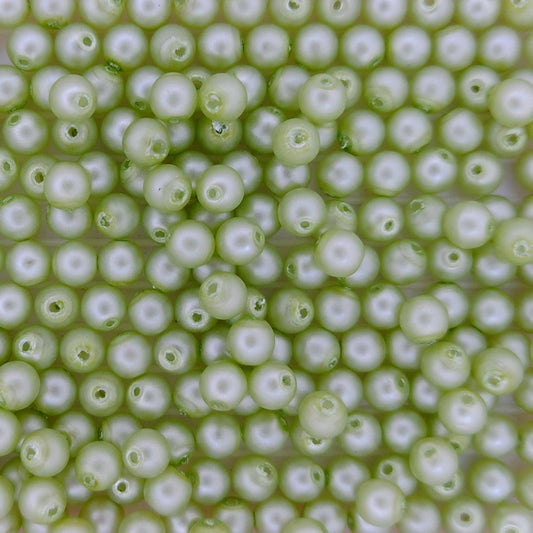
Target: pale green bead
{"x": 208, "y": 525}
{"x": 322, "y": 98}
{"x": 424, "y": 319}
{"x": 146, "y": 142}
{"x": 290, "y": 310}
{"x": 498, "y": 370}
{"x": 361, "y": 132}
{"x": 72, "y": 97}
{"x": 512, "y": 240}
{"x": 19, "y": 385}
{"x": 295, "y": 142}
{"x": 220, "y": 189}
{"x": 272, "y": 385}
{"x": 380, "y": 502}
{"x": 168, "y": 493}
{"x": 67, "y": 185}
{"x": 303, "y": 525}
{"x": 250, "y": 341}
{"x": 322, "y": 414}
{"x": 42, "y": 500}
{"x": 433, "y": 460}
{"x": 45, "y": 452}
{"x": 301, "y": 212}
{"x": 445, "y": 365}
{"x": 511, "y": 103}
{"x": 223, "y": 295}
{"x": 468, "y": 224}
{"x": 339, "y": 252}
{"x": 142, "y": 519}
{"x": 191, "y": 244}
{"x": 222, "y": 97}
{"x": 462, "y": 411}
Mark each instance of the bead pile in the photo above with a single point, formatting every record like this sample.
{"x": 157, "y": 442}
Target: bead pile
{"x": 266, "y": 266}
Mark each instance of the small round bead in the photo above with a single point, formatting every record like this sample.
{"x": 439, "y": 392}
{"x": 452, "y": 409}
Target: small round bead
{"x": 361, "y": 132}
{"x": 197, "y": 14}
{"x": 146, "y": 142}
{"x": 220, "y": 46}
{"x": 432, "y": 89}
{"x": 385, "y": 89}
{"x": 223, "y": 385}
{"x": 191, "y": 244}
{"x": 339, "y": 252}
{"x": 82, "y": 350}
{"x": 45, "y": 452}
{"x": 148, "y": 15}
{"x": 146, "y": 453}
{"x": 129, "y": 355}
{"x": 124, "y": 47}
{"x": 172, "y": 47}
{"x": 72, "y": 97}
{"x": 267, "y": 46}
{"x": 408, "y": 47}
{"x": 148, "y": 397}
{"x": 511, "y": 103}
{"x": 322, "y": 98}
{"x": 56, "y": 306}
{"x": 101, "y": 393}
{"x": 27, "y": 263}
{"x": 409, "y": 130}
{"x": 290, "y": 15}
{"x": 29, "y": 47}
{"x": 423, "y": 319}
{"x": 380, "y": 502}
{"x": 322, "y": 414}
{"x": 475, "y": 85}
{"x": 173, "y": 97}
{"x": 362, "y": 47}
{"x": 244, "y": 14}
{"x": 295, "y": 142}
{"x": 500, "y": 47}
{"x": 25, "y": 132}
{"x": 462, "y": 411}
{"x": 468, "y": 224}
{"x": 15, "y": 89}
{"x": 403, "y": 262}
{"x": 301, "y": 479}
{"x": 150, "y": 312}
{"x": 42, "y": 500}
{"x": 445, "y": 365}
{"x": 116, "y": 216}
{"x": 272, "y": 385}
{"x": 67, "y": 185}
{"x": 454, "y": 47}
{"x": 239, "y": 241}
{"x": 19, "y": 385}
{"x": 315, "y": 46}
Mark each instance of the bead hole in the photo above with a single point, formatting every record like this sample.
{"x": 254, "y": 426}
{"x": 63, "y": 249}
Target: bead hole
{"x": 133, "y": 458}
{"x": 56, "y": 307}
{"x": 83, "y": 101}
{"x": 26, "y": 346}
{"x": 100, "y": 394}
{"x": 83, "y": 355}
{"x": 197, "y": 317}
{"x": 387, "y": 469}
